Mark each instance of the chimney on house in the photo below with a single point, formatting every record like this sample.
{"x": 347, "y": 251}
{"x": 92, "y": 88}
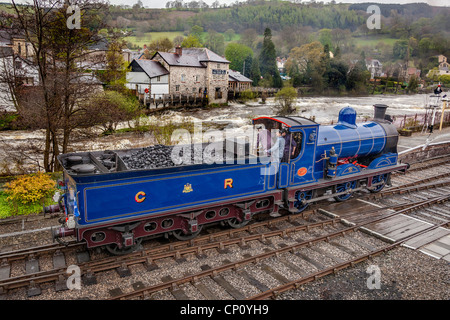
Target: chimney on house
{"x": 179, "y": 50}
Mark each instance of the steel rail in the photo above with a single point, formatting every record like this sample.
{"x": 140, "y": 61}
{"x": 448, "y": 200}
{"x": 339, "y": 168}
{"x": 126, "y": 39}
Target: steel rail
{"x": 257, "y": 258}
{"x": 273, "y": 293}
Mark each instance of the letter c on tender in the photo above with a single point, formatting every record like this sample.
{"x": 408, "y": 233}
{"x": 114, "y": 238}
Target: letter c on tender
{"x": 140, "y": 196}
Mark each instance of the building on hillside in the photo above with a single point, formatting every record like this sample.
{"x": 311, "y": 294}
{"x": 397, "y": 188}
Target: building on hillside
{"x": 281, "y": 65}
{"x": 238, "y": 82}
{"x": 444, "y": 68}
{"x": 148, "y": 74}
{"x": 412, "y": 72}
{"x": 17, "y": 42}
{"x": 196, "y": 71}
{"x": 375, "y": 68}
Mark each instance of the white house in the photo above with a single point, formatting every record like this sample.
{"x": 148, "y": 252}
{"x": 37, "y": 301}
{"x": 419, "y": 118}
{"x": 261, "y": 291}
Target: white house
{"x": 150, "y": 75}
{"x": 375, "y": 67}
{"x": 6, "y": 64}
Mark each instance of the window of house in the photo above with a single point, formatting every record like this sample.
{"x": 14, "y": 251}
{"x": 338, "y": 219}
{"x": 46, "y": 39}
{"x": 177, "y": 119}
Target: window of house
{"x": 197, "y": 78}
{"x": 218, "y": 66}
{"x": 183, "y": 78}
{"x": 194, "y": 90}
{"x": 158, "y": 78}
{"x": 177, "y": 88}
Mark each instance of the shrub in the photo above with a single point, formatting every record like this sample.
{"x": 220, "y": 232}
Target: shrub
{"x": 27, "y": 191}
{"x": 286, "y": 98}
{"x": 248, "y": 94}
{"x": 445, "y": 79}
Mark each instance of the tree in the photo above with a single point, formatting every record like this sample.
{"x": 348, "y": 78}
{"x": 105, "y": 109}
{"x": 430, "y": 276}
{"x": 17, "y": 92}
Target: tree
{"x": 237, "y": 54}
{"x": 413, "y": 84}
{"x": 309, "y": 53}
{"x": 163, "y": 44}
{"x": 286, "y": 98}
{"x": 116, "y": 66}
{"x": 54, "y": 104}
{"x": 325, "y": 37}
{"x": 215, "y": 42}
{"x": 248, "y": 38}
{"x": 267, "y": 60}
{"x": 357, "y": 78}
{"x": 229, "y": 34}
{"x": 445, "y": 79}
{"x": 178, "y": 40}
{"x": 191, "y": 42}
{"x": 197, "y": 32}
{"x": 400, "y": 49}
{"x": 337, "y": 74}
{"x": 255, "y": 73}
{"x": 112, "y": 107}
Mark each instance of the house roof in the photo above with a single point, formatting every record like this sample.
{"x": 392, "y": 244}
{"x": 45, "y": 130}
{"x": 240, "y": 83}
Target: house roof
{"x": 101, "y": 44}
{"x": 237, "y": 76}
{"x": 151, "y": 67}
{"x": 6, "y": 52}
{"x": 191, "y": 57}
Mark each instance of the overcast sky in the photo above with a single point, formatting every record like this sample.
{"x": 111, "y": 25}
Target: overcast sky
{"x": 162, "y": 3}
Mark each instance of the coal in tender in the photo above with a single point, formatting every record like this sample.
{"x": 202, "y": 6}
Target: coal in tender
{"x": 161, "y": 156}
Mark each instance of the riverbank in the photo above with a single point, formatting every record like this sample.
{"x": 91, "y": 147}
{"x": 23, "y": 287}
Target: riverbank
{"x": 20, "y": 149}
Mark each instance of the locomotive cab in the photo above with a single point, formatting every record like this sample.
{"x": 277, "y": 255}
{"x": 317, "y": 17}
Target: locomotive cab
{"x": 300, "y": 135}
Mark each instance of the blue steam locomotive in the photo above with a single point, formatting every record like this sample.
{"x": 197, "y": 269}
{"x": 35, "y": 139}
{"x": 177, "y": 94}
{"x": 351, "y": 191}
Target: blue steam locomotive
{"x": 106, "y": 203}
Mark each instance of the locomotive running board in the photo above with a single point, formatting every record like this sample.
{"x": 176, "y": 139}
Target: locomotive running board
{"x": 335, "y": 181}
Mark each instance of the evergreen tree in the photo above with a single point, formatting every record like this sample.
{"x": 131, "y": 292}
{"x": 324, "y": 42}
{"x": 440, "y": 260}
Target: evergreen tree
{"x": 255, "y": 73}
{"x": 267, "y": 60}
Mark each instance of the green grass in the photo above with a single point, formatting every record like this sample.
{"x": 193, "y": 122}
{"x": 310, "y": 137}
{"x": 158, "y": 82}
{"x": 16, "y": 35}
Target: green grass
{"x": 5, "y": 207}
{"x": 372, "y": 41}
{"x": 152, "y": 36}
{"x": 8, "y": 209}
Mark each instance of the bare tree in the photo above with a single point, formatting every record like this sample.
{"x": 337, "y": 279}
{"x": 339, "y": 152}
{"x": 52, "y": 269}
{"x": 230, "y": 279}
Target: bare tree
{"x": 60, "y": 54}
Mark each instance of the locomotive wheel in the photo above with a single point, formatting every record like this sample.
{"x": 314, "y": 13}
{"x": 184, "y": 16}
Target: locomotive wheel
{"x": 180, "y": 235}
{"x": 114, "y": 249}
{"x": 380, "y": 178}
{"x": 301, "y": 196}
{"x": 344, "y": 187}
{"x": 234, "y": 223}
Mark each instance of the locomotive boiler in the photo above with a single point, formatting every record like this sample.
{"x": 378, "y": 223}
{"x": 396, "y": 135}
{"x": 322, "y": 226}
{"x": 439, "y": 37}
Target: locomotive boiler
{"x": 117, "y": 198}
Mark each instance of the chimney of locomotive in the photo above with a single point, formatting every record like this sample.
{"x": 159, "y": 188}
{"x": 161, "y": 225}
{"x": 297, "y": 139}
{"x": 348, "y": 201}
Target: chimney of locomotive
{"x": 380, "y": 112}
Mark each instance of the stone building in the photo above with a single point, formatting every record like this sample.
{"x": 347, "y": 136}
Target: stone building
{"x": 238, "y": 82}
{"x": 196, "y": 71}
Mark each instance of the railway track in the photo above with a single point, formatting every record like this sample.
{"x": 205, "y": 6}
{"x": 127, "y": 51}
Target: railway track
{"x": 215, "y": 273}
{"x": 178, "y": 250}
{"x": 33, "y": 278}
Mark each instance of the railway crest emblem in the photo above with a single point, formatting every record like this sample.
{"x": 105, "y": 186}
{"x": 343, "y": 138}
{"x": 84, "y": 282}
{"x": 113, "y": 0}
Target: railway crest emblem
{"x": 187, "y": 188}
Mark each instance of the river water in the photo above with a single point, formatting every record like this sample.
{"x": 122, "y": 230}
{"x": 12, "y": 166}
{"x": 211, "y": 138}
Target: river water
{"x": 234, "y": 117}
{"x": 324, "y": 109}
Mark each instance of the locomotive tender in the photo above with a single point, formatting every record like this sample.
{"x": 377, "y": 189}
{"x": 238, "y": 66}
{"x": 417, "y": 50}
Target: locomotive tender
{"x": 107, "y": 204}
